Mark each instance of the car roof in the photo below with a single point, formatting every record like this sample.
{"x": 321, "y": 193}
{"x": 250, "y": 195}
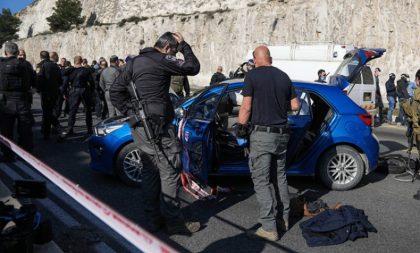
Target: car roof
{"x": 332, "y": 94}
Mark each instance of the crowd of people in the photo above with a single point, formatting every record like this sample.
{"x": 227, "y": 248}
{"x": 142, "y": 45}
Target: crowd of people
{"x": 102, "y": 88}
{"x": 59, "y": 83}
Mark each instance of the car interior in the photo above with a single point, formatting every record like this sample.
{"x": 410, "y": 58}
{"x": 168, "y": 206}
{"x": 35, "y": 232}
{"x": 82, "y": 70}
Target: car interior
{"x": 232, "y": 150}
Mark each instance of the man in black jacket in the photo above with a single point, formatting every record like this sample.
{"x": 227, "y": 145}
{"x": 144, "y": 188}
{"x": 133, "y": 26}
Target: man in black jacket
{"x": 218, "y": 76}
{"x": 391, "y": 94}
{"x": 151, "y": 73}
{"x": 403, "y": 95}
{"x": 82, "y": 83}
{"x": 15, "y": 83}
{"x": 49, "y": 82}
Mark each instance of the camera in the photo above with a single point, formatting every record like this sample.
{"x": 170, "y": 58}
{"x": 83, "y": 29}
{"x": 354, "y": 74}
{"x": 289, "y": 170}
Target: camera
{"x": 21, "y": 227}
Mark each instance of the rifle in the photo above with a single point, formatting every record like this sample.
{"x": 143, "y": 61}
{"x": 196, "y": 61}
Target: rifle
{"x": 140, "y": 116}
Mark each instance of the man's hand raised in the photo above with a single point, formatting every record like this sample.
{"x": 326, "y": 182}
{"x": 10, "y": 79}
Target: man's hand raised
{"x": 178, "y": 37}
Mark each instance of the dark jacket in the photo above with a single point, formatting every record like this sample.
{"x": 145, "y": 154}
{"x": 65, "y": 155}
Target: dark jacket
{"x": 217, "y": 78}
{"x": 335, "y": 226}
{"x": 391, "y": 90}
{"x": 49, "y": 77}
{"x": 79, "y": 78}
{"x": 16, "y": 76}
{"x": 378, "y": 96}
{"x": 402, "y": 91}
{"x": 151, "y": 73}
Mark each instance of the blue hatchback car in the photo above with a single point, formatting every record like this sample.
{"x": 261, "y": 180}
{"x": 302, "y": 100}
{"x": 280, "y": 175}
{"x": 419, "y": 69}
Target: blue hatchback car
{"x": 331, "y": 136}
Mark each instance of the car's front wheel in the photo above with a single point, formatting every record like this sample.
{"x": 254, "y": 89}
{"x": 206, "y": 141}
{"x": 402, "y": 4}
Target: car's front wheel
{"x": 129, "y": 165}
{"x": 341, "y": 168}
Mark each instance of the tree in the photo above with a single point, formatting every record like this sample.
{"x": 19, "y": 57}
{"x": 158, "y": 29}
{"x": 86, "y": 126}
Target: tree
{"x": 9, "y": 26}
{"x": 66, "y": 14}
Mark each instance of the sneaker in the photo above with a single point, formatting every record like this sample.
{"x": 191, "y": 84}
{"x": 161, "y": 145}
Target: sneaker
{"x": 182, "y": 227}
{"x": 263, "y": 234}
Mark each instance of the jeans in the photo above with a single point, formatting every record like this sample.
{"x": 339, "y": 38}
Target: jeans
{"x": 267, "y": 161}
{"x": 391, "y": 103}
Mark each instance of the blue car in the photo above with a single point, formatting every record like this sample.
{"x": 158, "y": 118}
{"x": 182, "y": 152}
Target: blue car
{"x": 331, "y": 136}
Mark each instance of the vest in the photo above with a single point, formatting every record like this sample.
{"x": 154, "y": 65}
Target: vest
{"x": 11, "y": 75}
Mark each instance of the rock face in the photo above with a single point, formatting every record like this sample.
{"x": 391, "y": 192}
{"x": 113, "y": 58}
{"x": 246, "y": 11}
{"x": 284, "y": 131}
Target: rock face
{"x": 223, "y": 31}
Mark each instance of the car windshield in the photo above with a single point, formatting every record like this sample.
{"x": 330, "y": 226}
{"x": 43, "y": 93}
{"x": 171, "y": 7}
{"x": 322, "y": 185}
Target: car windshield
{"x": 349, "y": 64}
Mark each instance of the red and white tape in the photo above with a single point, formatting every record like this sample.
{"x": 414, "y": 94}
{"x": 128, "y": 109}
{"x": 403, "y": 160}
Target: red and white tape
{"x": 139, "y": 237}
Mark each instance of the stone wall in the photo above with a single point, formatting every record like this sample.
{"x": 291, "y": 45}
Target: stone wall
{"x": 222, "y": 32}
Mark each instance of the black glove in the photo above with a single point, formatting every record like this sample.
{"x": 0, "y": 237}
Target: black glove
{"x": 242, "y": 131}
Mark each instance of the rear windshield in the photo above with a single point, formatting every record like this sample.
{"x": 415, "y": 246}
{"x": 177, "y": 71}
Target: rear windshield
{"x": 348, "y": 65}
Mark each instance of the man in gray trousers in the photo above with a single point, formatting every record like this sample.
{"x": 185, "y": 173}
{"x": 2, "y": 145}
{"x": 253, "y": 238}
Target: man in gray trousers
{"x": 268, "y": 96}
{"x": 108, "y": 77}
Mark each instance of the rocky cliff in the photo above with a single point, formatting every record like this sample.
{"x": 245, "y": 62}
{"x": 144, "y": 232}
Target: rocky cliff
{"x": 223, "y": 31}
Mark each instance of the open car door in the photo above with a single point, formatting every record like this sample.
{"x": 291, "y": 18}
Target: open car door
{"x": 299, "y": 122}
{"x": 197, "y": 133}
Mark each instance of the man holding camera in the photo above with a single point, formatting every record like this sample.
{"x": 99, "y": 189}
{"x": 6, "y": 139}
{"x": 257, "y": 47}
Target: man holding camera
{"x": 151, "y": 73}
{"x": 268, "y": 96}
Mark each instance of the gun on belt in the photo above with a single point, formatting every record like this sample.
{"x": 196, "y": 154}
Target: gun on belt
{"x": 141, "y": 116}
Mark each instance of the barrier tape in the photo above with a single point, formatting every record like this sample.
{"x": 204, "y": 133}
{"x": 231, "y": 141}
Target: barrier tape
{"x": 136, "y": 235}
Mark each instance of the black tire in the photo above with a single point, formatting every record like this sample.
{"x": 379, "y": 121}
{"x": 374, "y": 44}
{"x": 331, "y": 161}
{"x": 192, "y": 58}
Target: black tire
{"x": 129, "y": 175}
{"x": 342, "y": 178}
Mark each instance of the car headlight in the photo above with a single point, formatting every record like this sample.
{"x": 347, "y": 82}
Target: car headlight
{"x": 106, "y": 129}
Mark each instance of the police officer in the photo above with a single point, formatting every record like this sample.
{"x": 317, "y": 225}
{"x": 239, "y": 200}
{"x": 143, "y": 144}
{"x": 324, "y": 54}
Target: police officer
{"x": 49, "y": 81}
{"x": 151, "y": 72}
{"x": 179, "y": 84}
{"x": 15, "y": 83}
{"x": 22, "y": 58}
{"x": 268, "y": 95}
{"x": 81, "y": 81}
{"x": 415, "y": 107}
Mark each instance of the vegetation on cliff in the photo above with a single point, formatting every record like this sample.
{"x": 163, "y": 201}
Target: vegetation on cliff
{"x": 67, "y": 14}
{"x": 9, "y": 26}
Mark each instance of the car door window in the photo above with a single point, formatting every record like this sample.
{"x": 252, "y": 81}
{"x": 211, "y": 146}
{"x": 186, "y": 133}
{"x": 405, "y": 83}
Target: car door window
{"x": 305, "y": 108}
{"x": 206, "y": 105}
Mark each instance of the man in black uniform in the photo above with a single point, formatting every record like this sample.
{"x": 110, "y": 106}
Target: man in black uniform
{"x": 268, "y": 95}
{"x": 49, "y": 82}
{"x": 15, "y": 83}
{"x": 151, "y": 73}
{"x": 218, "y": 76}
{"x": 81, "y": 80}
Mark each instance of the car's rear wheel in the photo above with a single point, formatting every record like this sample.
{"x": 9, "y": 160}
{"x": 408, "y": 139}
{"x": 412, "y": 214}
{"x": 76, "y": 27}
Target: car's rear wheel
{"x": 129, "y": 165}
{"x": 341, "y": 168}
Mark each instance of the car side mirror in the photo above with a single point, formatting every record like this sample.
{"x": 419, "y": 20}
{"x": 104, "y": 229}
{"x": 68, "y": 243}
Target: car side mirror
{"x": 180, "y": 112}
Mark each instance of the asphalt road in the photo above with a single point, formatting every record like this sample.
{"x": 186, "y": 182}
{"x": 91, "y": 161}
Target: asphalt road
{"x": 387, "y": 202}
